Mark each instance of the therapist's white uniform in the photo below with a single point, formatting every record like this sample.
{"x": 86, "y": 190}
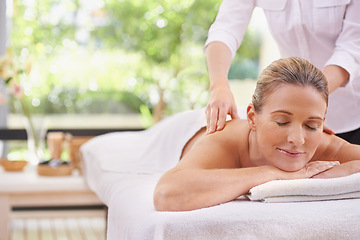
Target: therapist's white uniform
{"x": 325, "y": 32}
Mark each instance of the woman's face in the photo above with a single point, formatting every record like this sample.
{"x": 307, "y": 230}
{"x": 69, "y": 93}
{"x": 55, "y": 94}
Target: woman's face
{"x": 289, "y": 127}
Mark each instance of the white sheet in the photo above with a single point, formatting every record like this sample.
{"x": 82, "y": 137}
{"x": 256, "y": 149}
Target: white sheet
{"x": 127, "y": 190}
{"x": 152, "y": 150}
{"x": 132, "y": 216}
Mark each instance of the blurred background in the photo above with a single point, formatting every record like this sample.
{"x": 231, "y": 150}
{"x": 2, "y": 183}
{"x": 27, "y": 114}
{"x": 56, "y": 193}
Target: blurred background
{"x": 120, "y": 63}
{"x": 103, "y": 64}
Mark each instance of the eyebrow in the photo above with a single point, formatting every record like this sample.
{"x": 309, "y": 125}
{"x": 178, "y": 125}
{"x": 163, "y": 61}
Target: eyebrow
{"x": 289, "y": 113}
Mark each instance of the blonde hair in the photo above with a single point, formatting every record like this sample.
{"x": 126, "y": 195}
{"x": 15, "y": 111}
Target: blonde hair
{"x": 292, "y": 70}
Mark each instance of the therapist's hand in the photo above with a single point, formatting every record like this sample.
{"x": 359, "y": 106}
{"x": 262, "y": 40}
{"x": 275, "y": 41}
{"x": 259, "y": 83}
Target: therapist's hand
{"x": 221, "y": 104}
{"x": 328, "y": 130}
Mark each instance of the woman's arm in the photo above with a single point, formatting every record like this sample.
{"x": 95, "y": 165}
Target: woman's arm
{"x": 183, "y": 189}
{"x": 210, "y": 174}
{"x": 341, "y": 170}
{"x": 337, "y": 149}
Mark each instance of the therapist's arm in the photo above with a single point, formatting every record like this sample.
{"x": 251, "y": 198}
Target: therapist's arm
{"x": 336, "y": 77}
{"x": 222, "y": 101}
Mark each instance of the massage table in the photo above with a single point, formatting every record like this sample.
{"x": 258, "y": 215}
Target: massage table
{"x": 123, "y": 170}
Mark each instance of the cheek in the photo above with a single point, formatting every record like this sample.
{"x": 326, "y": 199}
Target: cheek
{"x": 272, "y": 135}
{"x": 313, "y": 141}
{"x": 270, "y": 138}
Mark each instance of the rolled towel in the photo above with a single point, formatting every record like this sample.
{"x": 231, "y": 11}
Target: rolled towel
{"x": 303, "y": 190}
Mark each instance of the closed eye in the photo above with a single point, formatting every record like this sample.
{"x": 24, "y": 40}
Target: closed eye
{"x": 311, "y": 128}
{"x": 282, "y": 123}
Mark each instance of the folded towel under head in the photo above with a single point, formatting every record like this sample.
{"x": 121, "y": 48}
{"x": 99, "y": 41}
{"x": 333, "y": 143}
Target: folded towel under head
{"x": 301, "y": 190}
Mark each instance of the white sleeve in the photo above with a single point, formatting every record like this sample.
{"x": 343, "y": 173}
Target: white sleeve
{"x": 231, "y": 23}
{"x": 347, "y": 47}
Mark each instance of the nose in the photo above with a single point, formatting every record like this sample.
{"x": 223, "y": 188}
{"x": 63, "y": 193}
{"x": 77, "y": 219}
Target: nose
{"x": 296, "y": 136}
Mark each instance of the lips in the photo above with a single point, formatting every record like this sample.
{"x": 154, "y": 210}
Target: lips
{"x": 291, "y": 153}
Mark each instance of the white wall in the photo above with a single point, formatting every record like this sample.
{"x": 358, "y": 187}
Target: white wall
{"x": 269, "y": 50}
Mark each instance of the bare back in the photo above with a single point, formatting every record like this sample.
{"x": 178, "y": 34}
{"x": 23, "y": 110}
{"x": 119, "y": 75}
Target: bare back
{"x": 231, "y": 144}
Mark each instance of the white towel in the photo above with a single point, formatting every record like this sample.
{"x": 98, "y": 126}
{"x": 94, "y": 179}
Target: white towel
{"x": 303, "y": 190}
{"x": 154, "y": 150}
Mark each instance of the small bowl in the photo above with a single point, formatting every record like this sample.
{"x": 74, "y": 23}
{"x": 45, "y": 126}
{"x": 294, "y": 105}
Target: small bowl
{"x": 54, "y": 167}
{"x": 13, "y": 165}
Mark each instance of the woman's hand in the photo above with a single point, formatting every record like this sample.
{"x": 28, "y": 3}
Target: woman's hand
{"x": 311, "y": 169}
{"x": 221, "y": 104}
{"x": 341, "y": 170}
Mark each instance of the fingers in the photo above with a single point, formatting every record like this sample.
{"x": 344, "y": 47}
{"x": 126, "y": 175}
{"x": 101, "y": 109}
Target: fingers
{"x": 212, "y": 119}
{"x": 328, "y": 130}
{"x": 207, "y": 113}
{"x": 215, "y": 118}
{"x": 234, "y": 113}
{"x": 314, "y": 168}
{"x": 217, "y": 110}
{"x": 222, "y": 119}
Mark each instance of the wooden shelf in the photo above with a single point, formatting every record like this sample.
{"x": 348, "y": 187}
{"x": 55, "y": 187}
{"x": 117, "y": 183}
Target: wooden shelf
{"x": 27, "y": 189}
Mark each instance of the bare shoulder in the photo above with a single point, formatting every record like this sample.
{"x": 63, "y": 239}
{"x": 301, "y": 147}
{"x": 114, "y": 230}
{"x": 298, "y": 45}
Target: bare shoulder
{"x": 220, "y": 149}
{"x": 237, "y": 128}
{"x": 235, "y": 132}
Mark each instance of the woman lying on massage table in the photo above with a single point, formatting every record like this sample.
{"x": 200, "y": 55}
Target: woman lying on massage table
{"x": 282, "y": 138}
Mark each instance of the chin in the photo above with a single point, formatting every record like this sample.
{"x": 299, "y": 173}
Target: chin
{"x": 289, "y": 164}
{"x": 290, "y": 169}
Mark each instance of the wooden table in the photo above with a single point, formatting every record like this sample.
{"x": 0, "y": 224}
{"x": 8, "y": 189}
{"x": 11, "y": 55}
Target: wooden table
{"x": 27, "y": 189}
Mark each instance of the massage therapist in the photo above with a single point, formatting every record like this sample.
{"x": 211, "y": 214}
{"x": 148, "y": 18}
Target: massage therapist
{"x": 327, "y": 33}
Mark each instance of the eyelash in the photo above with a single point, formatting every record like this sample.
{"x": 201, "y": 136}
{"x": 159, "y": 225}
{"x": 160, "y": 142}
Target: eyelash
{"x": 311, "y": 128}
{"x": 284, "y": 123}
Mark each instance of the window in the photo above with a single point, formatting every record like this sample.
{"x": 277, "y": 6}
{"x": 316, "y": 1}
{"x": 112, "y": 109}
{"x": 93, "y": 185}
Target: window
{"x": 114, "y": 63}
{"x": 113, "y": 57}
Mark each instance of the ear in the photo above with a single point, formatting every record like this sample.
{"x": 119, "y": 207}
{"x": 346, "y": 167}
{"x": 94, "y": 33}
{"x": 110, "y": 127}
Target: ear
{"x": 251, "y": 115}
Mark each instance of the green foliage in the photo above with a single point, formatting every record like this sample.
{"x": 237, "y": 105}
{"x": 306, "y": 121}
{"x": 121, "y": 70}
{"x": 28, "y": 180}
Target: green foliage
{"x": 117, "y": 55}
